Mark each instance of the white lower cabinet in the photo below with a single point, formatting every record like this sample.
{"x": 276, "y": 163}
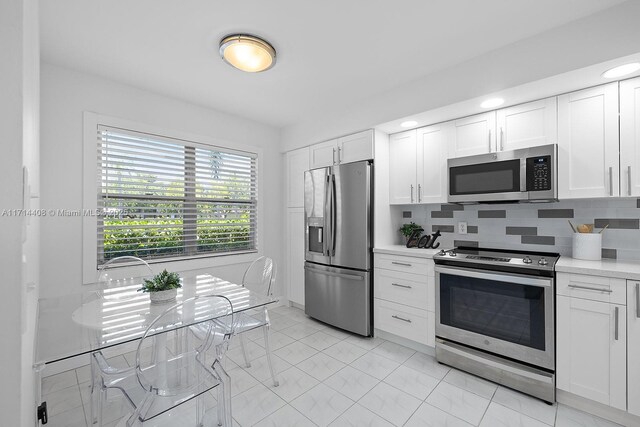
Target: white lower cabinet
{"x": 295, "y": 254}
{"x": 633, "y": 346}
{"x": 404, "y": 295}
{"x": 591, "y": 337}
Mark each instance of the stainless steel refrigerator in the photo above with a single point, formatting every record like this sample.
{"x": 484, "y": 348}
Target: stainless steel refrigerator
{"x": 338, "y": 240}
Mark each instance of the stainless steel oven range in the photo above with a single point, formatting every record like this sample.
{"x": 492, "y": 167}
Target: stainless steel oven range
{"x": 495, "y": 316}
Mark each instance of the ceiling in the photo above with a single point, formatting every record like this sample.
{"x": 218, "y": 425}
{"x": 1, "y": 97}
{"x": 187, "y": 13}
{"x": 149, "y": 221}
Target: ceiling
{"x": 330, "y": 53}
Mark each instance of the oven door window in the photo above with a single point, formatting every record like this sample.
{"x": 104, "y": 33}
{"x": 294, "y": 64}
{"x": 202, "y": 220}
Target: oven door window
{"x": 496, "y": 177}
{"x": 508, "y": 311}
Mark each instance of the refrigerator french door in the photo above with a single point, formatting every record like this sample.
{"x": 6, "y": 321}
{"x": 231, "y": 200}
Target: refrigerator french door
{"x": 338, "y": 288}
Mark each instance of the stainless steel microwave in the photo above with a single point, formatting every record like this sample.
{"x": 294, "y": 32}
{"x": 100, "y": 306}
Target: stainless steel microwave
{"x": 525, "y": 175}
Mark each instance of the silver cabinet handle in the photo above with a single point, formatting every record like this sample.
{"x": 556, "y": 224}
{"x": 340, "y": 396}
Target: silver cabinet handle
{"x": 419, "y": 193}
{"x": 616, "y": 312}
{"x": 638, "y": 300}
{"x": 401, "y": 318}
{"x": 591, "y": 288}
{"x": 339, "y": 155}
{"x": 501, "y": 140}
{"x": 401, "y": 286}
{"x": 412, "y": 193}
{"x": 401, "y": 263}
{"x": 489, "y": 140}
{"x": 610, "y": 181}
{"x": 629, "y": 180}
{"x": 333, "y": 157}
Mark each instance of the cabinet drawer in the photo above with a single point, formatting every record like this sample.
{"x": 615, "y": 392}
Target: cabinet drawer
{"x": 407, "y": 322}
{"x": 595, "y": 288}
{"x": 403, "y": 288}
{"x": 405, "y": 264}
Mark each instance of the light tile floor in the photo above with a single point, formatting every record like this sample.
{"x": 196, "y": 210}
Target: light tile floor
{"x": 329, "y": 377}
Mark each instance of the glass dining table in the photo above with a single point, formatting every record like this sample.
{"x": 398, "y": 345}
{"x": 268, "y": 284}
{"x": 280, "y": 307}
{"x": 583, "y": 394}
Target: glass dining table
{"x": 99, "y": 318}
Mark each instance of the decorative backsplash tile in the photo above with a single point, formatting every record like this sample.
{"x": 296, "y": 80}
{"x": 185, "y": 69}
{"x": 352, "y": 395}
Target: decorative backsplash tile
{"x": 539, "y": 227}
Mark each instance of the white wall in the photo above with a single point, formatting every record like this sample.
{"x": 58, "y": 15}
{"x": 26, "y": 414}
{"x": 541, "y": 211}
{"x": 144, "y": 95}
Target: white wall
{"x": 19, "y": 109}
{"x": 66, "y": 94}
{"x": 610, "y": 34}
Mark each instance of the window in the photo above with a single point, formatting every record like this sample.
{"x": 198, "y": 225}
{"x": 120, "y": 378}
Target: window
{"x": 165, "y": 198}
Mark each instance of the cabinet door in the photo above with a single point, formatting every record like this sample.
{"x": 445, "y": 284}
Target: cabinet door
{"x": 630, "y": 137}
{"x": 588, "y": 164}
{"x": 527, "y": 125}
{"x": 297, "y": 164}
{"x": 432, "y": 152}
{"x": 356, "y": 147}
{"x": 591, "y": 360}
{"x": 295, "y": 254}
{"x": 633, "y": 345}
{"x": 474, "y": 135}
{"x": 323, "y": 154}
{"x": 402, "y": 168}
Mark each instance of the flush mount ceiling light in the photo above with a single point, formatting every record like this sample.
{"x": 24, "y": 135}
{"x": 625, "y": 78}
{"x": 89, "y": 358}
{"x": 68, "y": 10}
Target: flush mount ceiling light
{"x": 247, "y": 53}
{"x": 621, "y": 70}
{"x": 408, "y": 123}
{"x": 492, "y": 103}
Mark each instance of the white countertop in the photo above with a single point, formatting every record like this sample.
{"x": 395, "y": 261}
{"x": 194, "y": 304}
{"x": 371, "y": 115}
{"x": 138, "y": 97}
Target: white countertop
{"x": 403, "y": 250}
{"x": 605, "y": 267}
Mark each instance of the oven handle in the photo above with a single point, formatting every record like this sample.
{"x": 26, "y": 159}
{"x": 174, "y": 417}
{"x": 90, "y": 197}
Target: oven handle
{"x": 497, "y": 276}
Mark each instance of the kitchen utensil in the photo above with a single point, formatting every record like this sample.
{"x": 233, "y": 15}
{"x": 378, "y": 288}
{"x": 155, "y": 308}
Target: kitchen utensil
{"x": 603, "y": 228}
{"x": 585, "y": 228}
{"x": 572, "y": 227}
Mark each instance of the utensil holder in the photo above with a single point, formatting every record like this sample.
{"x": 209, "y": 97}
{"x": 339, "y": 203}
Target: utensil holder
{"x": 587, "y": 246}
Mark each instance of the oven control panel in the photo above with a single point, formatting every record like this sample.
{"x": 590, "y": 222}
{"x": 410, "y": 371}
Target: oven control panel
{"x": 497, "y": 259}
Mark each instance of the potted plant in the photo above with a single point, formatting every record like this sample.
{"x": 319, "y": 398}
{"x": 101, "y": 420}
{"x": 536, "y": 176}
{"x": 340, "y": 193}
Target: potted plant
{"x": 162, "y": 287}
{"x": 408, "y": 229}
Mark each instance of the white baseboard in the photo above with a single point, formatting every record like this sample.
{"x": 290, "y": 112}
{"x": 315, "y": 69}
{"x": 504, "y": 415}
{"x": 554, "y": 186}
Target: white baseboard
{"x": 296, "y": 305}
{"x": 597, "y": 409}
{"x": 405, "y": 342}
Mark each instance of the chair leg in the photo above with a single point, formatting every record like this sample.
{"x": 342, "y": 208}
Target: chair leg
{"x": 224, "y": 395}
{"x": 244, "y": 351}
{"x": 267, "y": 346}
{"x": 140, "y": 411}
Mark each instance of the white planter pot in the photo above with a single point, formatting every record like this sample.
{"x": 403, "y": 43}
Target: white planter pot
{"x": 163, "y": 296}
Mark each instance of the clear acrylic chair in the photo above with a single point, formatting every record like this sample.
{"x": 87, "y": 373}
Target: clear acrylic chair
{"x": 114, "y": 287}
{"x": 168, "y": 380}
{"x": 258, "y": 278}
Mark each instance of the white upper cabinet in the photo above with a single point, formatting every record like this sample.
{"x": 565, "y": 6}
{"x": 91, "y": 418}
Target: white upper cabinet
{"x": 402, "y": 168}
{"x": 588, "y": 164}
{"x": 323, "y": 154}
{"x": 431, "y": 156}
{"x": 630, "y": 137}
{"x": 297, "y": 164}
{"x": 356, "y": 147}
{"x": 527, "y": 125}
{"x": 473, "y": 135}
{"x": 633, "y": 346}
{"x": 346, "y": 149}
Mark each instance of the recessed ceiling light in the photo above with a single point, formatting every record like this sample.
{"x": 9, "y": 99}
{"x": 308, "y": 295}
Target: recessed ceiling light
{"x": 247, "y": 53}
{"x": 408, "y": 123}
{"x": 492, "y": 103}
{"x": 621, "y": 70}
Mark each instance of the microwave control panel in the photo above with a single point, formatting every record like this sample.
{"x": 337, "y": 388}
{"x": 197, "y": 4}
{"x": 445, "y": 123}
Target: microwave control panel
{"x": 539, "y": 173}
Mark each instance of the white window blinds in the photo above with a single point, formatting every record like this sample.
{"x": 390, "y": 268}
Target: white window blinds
{"x": 163, "y": 197}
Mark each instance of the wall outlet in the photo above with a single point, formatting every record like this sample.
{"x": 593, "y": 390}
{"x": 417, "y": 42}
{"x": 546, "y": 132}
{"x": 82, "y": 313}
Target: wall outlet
{"x": 462, "y": 227}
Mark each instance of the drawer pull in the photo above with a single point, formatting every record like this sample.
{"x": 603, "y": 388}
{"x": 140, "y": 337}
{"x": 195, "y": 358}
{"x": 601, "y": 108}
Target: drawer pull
{"x": 401, "y": 286}
{"x": 406, "y": 264}
{"x": 590, "y": 288}
{"x": 401, "y": 318}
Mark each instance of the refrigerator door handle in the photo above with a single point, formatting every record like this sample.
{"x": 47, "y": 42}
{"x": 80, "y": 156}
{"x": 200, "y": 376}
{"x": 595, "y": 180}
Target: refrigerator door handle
{"x": 327, "y": 229}
{"x": 334, "y": 215}
{"x": 331, "y": 273}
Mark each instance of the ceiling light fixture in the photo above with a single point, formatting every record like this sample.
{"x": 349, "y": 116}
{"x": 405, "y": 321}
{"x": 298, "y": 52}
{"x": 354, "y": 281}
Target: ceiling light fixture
{"x": 408, "y": 123}
{"x": 247, "y": 53}
{"x": 621, "y": 70}
{"x": 492, "y": 103}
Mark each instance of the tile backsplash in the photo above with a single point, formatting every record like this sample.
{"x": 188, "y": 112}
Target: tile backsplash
{"x": 528, "y": 226}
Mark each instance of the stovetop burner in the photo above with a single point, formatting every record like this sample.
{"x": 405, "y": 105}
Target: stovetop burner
{"x": 526, "y": 262}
